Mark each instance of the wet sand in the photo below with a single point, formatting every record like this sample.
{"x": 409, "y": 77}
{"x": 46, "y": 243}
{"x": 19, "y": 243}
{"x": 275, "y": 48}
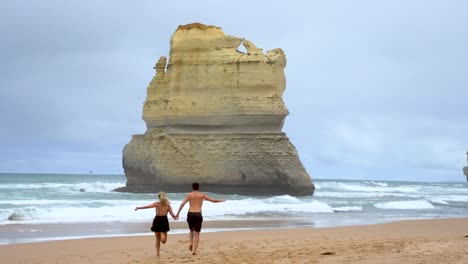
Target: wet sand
{"x": 417, "y": 241}
{"x": 24, "y": 233}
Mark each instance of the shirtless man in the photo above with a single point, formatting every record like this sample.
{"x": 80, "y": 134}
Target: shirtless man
{"x": 194, "y": 215}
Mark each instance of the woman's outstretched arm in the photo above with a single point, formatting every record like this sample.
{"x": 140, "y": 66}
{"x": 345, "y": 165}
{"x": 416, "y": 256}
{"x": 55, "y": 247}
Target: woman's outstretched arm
{"x": 147, "y": 206}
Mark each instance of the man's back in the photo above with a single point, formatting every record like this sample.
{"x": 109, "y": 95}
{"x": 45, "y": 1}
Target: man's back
{"x": 196, "y": 201}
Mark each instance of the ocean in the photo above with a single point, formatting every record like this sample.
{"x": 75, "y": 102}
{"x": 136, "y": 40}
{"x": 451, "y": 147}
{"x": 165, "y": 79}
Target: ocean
{"x": 31, "y": 202}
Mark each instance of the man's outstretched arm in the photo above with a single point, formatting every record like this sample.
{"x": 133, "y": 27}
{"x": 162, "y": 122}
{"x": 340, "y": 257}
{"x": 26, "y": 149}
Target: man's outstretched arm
{"x": 213, "y": 200}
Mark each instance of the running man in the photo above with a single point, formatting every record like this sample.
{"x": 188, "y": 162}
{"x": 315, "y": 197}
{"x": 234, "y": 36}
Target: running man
{"x": 194, "y": 215}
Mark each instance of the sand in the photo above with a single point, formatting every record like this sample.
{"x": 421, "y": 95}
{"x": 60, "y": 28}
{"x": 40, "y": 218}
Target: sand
{"x": 415, "y": 241}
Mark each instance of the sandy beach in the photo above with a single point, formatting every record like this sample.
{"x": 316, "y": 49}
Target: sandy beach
{"x": 413, "y": 241}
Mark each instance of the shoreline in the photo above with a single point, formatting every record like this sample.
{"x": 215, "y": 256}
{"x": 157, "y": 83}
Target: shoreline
{"x": 20, "y": 233}
{"x": 31, "y": 233}
{"x": 408, "y": 241}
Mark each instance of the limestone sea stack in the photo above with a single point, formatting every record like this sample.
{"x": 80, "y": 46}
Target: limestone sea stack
{"x": 214, "y": 115}
{"x": 465, "y": 169}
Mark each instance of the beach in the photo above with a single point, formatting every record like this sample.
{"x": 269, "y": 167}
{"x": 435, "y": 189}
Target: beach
{"x": 409, "y": 241}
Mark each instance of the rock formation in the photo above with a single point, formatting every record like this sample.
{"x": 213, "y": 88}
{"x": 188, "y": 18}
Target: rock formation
{"x": 214, "y": 115}
{"x": 465, "y": 169}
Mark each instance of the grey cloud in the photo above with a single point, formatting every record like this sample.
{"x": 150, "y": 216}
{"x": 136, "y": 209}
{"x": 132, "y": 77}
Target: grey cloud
{"x": 365, "y": 80}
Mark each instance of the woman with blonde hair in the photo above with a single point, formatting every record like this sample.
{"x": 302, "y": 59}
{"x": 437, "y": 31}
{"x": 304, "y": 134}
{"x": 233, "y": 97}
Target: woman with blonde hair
{"x": 160, "y": 223}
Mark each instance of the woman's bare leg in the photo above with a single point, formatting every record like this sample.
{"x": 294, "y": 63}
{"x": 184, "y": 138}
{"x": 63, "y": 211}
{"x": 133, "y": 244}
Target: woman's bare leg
{"x": 163, "y": 237}
{"x": 158, "y": 242}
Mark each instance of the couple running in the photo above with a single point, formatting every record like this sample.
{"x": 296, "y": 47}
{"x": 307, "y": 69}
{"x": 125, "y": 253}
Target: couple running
{"x": 194, "y": 216}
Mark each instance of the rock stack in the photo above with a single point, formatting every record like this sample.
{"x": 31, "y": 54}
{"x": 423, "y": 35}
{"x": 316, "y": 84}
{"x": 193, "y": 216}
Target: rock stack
{"x": 214, "y": 115}
{"x": 465, "y": 169}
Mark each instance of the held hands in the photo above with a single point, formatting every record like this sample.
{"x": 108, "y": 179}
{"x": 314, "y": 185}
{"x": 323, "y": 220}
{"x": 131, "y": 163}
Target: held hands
{"x": 136, "y": 208}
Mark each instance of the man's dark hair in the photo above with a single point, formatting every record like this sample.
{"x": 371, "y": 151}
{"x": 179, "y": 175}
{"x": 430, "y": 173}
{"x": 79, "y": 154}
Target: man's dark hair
{"x": 195, "y": 186}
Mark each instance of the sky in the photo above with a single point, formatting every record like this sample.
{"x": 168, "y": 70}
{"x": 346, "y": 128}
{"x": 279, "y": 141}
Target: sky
{"x": 376, "y": 90}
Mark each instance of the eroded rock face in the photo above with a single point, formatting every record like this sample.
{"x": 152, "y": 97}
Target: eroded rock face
{"x": 214, "y": 115}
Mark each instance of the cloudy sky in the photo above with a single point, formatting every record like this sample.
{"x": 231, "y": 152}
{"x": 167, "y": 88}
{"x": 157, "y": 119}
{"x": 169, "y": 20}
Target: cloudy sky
{"x": 375, "y": 89}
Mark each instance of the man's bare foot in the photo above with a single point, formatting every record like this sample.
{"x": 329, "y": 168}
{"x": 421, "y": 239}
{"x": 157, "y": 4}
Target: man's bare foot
{"x": 190, "y": 247}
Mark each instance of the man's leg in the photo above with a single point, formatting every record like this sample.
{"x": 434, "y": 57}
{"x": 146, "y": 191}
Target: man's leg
{"x": 195, "y": 242}
{"x": 191, "y": 239}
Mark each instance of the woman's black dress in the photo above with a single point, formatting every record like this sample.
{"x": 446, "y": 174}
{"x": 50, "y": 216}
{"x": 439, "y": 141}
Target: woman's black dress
{"x": 160, "y": 224}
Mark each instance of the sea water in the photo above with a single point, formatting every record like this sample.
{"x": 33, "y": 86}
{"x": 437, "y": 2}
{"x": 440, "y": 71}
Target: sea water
{"x": 61, "y": 198}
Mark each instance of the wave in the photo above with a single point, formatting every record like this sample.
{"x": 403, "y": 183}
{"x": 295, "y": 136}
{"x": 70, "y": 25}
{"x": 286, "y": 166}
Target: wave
{"x": 240, "y": 207}
{"x": 73, "y": 215}
{"x": 28, "y": 213}
{"x": 113, "y": 210}
{"x": 381, "y": 184}
{"x": 373, "y": 189}
{"x": 283, "y": 199}
{"x": 405, "y": 205}
{"x": 75, "y": 203}
{"x": 449, "y": 198}
{"x": 348, "y": 209}
{"x": 67, "y": 187}
{"x": 350, "y": 195}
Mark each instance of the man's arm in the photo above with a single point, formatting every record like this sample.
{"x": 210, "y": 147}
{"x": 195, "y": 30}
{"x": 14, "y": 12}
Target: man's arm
{"x": 182, "y": 205}
{"x": 213, "y": 200}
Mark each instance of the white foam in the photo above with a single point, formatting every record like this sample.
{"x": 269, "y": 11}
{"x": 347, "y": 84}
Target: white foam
{"x": 240, "y": 207}
{"x": 350, "y": 195}
{"x": 113, "y": 210}
{"x": 381, "y": 184}
{"x": 347, "y": 209}
{"x": 82, "y": 203}
{"x": 68, "y": 187}
{"x": 405, "y": 205}
{"x": 362, "y": 188}
{"x": 283, "y": 199}
{"x": 449, "y": 198}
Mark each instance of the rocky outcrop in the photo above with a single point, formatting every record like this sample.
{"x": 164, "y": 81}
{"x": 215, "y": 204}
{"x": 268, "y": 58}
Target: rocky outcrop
{"x": 214, "y": 115}
{"x": 465, "y": 169}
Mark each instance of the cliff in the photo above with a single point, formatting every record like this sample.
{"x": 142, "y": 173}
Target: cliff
{"x": 214, "y": 115}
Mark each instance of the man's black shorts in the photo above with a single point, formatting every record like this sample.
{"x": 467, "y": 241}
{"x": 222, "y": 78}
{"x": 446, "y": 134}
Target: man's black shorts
{"x": 195, "y": 221}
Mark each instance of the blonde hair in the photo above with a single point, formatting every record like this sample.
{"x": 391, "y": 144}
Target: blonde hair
{"x": 163, "y": 198}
